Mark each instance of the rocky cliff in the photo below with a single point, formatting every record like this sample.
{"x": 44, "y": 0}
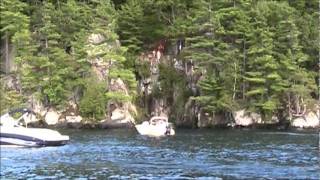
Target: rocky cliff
{"x": 166, "y": 86}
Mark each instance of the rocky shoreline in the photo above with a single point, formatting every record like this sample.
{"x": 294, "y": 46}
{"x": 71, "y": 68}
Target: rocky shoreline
{"x": 120, "y": 119}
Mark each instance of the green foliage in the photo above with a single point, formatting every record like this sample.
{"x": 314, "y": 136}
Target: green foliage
{"x": 126, "y": 75}
{"x": 10, "y": 99}
{"x": 169, "y": 78}
{"x": 143, "y": 69}
{"x": 55, "y": 61}
{"x": 213, "y": 97}
{"x": 130, "y": 25}
{"x": 117, "y": 97}
{"x": 49, "y": 67}
{"x": 13, "y": 20}
{"x": 275, "y": 56}
{"x": 93, "y": 102}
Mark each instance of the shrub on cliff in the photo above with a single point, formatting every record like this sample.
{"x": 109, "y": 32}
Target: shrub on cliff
{"x": 93, "y": 102}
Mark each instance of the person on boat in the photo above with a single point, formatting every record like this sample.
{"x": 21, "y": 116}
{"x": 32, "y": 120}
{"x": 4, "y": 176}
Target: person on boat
{"x": 168, "y": 130}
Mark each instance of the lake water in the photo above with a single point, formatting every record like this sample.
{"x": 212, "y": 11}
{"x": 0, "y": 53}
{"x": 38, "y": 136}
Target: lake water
{"x": 191, "y": 154}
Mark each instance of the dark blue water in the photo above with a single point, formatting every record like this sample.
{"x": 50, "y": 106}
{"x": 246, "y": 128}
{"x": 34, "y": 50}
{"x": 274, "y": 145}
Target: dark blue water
{"x": 191, "y": 154}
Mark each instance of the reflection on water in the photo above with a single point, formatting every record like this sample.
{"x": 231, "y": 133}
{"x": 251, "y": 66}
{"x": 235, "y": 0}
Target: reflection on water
{"x": 207, "y": 154}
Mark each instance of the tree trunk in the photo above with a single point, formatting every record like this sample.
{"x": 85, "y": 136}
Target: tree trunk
{"x": 173, "y": 14}
{"x": 289, "y": 108}
{"x": 244, "y": 70}
{"x": 235, "y": 81}
{"x": 46, "y": 44}
{"x": 6, "y": 54}
{"x": 297, "y": 105}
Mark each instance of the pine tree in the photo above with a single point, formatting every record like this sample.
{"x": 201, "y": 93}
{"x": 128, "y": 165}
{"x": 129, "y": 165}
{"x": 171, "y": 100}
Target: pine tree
{"x": 262, "y": 74}
{"x": 14, "y": 27}
{"x": 48, "y": 70}
{"x": 93, "y": 103}
{"x": 130, "y": 24}
{"x": 216, "y": 45}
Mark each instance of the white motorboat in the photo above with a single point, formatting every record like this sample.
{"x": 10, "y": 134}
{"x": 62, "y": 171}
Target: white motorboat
{"x": 156, "y": 126}
{"x": 12, "y": 133}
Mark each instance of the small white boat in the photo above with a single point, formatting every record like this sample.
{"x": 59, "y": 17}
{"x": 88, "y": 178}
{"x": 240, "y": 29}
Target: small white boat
{"x": 157, "y": 126}
{"x": 11, "y": 133}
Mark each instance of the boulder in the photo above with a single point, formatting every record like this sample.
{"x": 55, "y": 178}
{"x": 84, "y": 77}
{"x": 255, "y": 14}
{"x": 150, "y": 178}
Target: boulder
{"x": 244, "y": 118}
{"x": 117, "y": 115}
{"x": 310, "y": 120}
{"x": 52, "y": 117}
{"x": 119, "y": 119}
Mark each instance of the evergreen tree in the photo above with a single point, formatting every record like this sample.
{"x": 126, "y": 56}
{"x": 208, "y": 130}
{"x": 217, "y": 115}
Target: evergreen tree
{"x": 14, "y": 28}
{"x": 208, "y": 46}
{"x": 130, "y": 24}
{"x": 48, "y": 70}
{"x": 93, "y": 102}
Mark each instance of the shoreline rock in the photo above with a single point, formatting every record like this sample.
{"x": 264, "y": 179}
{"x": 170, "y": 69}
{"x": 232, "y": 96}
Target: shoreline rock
{"x": 309, "y": 120}
{"x": 121, "y": 118}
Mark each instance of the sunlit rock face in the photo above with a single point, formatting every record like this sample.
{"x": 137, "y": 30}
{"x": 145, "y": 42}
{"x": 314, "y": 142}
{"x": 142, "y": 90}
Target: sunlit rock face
{"x": 96, "y": 38}
{"x": 11, "y": 82}
{"x": 310, "y": 120}
{"x": 118, "y": 85}
{"x": 121, "y": 114}
{"x": 244, "y": 118}
{"x": 52, "y": 117}
{"x": 120, "y": 118}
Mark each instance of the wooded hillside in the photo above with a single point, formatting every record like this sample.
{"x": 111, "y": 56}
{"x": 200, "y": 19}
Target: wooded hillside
{"x": 257, "y": 55}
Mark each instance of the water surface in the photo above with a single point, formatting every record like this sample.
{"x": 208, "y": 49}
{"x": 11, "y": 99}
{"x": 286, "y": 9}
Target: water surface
{"x": 191, "y": 154}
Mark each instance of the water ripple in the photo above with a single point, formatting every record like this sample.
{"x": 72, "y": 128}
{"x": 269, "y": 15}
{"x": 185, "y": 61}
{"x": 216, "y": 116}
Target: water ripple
{"x": 214, "y": 154}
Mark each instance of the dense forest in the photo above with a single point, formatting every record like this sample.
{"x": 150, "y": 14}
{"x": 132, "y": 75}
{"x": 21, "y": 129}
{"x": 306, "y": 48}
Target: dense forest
{"x": 201, "y": 57}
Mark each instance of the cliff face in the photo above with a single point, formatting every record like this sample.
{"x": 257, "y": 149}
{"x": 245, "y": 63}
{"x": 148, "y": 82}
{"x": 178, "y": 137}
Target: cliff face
{"x": 170, "y": 86}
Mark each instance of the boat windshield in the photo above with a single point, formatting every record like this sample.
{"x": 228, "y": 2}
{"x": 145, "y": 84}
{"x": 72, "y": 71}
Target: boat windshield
{"x": 156, "y": 121}
{"x": 7, "y": 120}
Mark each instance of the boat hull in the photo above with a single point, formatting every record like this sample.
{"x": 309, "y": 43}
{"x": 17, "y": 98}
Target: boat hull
{"x": 150, "y": 131}
{"x": 31, "y": 137}
{"x": 11, "y": 133}
{"x": 154, "y": 130}
{"x": 18, "y": 140}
